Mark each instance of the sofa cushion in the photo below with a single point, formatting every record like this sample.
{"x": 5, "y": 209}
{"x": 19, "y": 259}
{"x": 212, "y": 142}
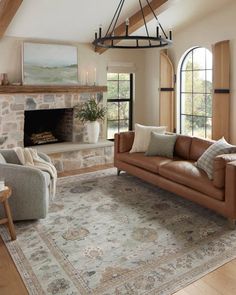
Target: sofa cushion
{"x": 182, "y": 146}
{"x": 198, "y": 147}
{"x": 206, "y": 161}
{"x": 220, "y": 163}
{"x": 186, "y": 173}
{"x": 140, "y": 160}
{"x": 142, "y": 137}
{"x": 161, "y": 145}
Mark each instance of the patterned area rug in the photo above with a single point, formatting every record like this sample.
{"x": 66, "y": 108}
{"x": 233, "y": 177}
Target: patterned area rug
{"x": 118, "y": 235}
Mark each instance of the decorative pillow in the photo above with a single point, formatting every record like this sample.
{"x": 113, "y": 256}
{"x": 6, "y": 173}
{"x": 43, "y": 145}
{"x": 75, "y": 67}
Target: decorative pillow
{"x": 206, "y": 161}
{"x": 142, "y": 137}
{"x": 161, "y": 145}
{"x": 2, "y": 159}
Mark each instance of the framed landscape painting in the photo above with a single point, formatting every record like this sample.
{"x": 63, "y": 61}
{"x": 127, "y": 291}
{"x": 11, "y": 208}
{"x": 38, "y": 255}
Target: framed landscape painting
{"x": 49, "y": 64}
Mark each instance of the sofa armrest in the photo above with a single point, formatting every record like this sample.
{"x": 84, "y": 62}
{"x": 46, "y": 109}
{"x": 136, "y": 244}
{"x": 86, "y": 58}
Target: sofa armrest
{"x": 230, "y": 189}
{"x": 124, "y": 141}
{"x": 220, "y": 163}
{"x": 30, "y": 196}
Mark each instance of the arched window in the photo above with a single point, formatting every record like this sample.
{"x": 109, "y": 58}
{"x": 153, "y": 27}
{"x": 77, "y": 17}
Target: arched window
{"x": 196, "y": 93}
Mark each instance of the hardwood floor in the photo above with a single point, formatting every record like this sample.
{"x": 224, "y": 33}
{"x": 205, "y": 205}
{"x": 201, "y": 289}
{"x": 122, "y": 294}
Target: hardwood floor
{"x": 84, "y": 170}
{"x": 219, "y": 282}
{"x": 10, "y": 280}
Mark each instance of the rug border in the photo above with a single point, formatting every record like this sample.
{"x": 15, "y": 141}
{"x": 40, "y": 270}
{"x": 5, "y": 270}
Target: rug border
{"x": 12, "y": 246}
{"x": 29, "y": 279}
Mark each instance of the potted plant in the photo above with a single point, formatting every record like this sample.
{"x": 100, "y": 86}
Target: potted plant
{"x": 89, "y": 112}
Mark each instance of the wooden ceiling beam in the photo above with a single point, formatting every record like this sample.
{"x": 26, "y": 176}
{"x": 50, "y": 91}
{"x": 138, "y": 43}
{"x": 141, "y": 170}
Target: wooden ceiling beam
{"x": 8, "y": 9}
{"x": 136, "y": 20}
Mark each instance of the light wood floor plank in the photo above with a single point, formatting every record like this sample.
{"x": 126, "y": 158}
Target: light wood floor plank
{"x": 220, "y": 280}
{"x": 10, "y": 280}
{"x": 85, "y": 170}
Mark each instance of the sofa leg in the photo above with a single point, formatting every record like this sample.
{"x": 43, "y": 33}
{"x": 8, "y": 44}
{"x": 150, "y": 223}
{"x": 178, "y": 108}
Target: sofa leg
{"x": 118, "y": 172}
{"x": 231, "y": 223}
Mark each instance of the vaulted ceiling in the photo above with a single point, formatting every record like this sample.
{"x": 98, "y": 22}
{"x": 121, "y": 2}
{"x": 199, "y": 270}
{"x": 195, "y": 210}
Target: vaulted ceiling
{"x": 77, "y": 20}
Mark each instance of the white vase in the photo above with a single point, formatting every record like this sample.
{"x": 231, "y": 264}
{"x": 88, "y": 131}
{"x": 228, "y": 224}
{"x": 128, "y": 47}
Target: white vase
{"x": 93, "y": 129}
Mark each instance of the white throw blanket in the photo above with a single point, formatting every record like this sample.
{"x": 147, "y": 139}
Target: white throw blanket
{"x": 29, "y": 157}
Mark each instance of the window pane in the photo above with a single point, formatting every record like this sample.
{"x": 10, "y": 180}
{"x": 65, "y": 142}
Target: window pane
{"x": 199, "y": 126}
{"x": 186, "y": 104}
{"x": 199, "y": 59}
{"x": 209, "y": 105}
{"x": 187, "y": 64}
{"x": 124, "y": 110}
{"x": 118, "y": 111}
{"x": 209, "y": 81}
{"x": 186, "y": 82}
{"x": 124, "y": 125}
{"x": 199, "y": 81}
{"x": 124, "y": 89}
{"x": 112, "y": 111}
{"x": 196, "y": 93}
{"x": 186, "y": 125}
{"x": 112, "y": 76}
{"x": 112, "y": 91}
{"x": 199, "y": 105}
{"x": 209, "y": 128}
{"x": 124, "y": 77}
{"x": 112, "y": 128}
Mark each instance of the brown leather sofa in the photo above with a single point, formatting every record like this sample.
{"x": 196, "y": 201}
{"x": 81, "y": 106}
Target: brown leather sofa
{"x": 180, "y": 175}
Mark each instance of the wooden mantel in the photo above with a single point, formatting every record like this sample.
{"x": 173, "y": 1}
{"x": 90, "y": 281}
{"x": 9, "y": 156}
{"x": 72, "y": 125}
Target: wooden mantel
{"x": 51, "y": 89}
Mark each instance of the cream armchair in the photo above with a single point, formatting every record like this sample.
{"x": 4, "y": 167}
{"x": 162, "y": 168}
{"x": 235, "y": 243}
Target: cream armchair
{"x": 30, "y": 187}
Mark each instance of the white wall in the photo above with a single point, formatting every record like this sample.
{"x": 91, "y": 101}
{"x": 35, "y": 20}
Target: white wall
{"x": 10, "y": 62}
{"x": 216, "y": 27}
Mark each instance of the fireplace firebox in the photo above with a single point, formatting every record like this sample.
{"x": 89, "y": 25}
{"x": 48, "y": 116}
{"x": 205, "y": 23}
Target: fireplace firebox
{"x": 48, "y": 126}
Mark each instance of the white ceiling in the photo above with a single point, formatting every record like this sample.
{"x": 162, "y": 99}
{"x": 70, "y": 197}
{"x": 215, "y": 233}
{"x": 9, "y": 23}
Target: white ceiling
{"x": 77, "y": 20}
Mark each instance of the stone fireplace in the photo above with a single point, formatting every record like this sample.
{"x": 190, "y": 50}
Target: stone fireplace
{"x": 15, "y": 107}
{"x": 70, "y": 152}
{"x": 48, "y": 126}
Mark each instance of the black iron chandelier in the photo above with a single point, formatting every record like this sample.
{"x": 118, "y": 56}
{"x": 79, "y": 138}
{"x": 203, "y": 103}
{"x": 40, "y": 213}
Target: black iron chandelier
{"x": 111, "y": 39}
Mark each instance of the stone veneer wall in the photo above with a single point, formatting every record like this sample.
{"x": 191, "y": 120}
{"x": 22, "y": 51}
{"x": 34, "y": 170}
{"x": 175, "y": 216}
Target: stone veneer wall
{"x": 12, "y": 109}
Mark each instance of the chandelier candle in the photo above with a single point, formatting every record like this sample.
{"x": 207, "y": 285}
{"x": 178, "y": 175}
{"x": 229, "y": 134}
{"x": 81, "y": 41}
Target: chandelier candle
{"x": 95, "y": 76}
{"x": 127, "y": 27}
{"x": 87, "y": 78}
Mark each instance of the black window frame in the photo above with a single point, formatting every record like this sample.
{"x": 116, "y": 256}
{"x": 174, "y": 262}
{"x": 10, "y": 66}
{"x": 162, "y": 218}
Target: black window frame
{"x": 192, "y": 93}
{"x": 130, "y": 100}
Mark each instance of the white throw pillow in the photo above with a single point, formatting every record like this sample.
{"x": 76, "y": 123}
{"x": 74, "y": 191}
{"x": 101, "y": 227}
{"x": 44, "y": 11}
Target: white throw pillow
{"x": 206, "y": 161}
{"x": 142, "y": 137}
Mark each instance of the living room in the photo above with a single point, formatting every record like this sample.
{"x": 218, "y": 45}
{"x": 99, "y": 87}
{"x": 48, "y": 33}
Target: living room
{"x": 117, "y": 147}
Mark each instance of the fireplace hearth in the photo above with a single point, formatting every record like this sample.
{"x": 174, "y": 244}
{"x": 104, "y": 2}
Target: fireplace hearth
{"x": 48, "y": 126}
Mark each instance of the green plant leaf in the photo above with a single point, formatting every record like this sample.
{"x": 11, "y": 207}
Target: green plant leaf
{"x": 90, "y": 111}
